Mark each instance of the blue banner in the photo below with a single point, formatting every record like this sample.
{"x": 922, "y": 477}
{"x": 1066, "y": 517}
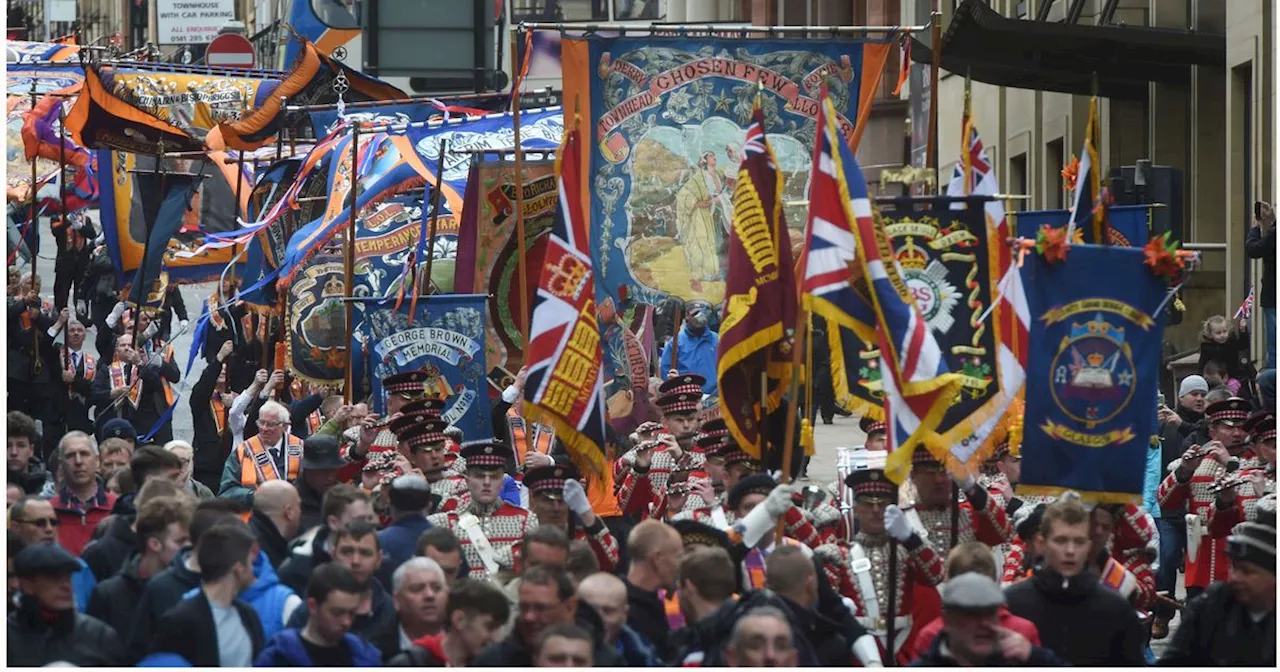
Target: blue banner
{"x": 324, "y": 121}
{"x": 1092, "y": 372}
{"x": 667, "y": 118}
{"x": 1129, "y": 225}
{"x": 446, "y": 338}
{"x": 165, "y": 198}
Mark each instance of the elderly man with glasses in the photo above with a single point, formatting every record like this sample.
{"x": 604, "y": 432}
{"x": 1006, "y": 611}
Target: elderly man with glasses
{"x": 273, "y": 453}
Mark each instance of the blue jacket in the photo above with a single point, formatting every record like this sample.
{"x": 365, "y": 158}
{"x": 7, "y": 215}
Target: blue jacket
{"x": 82, "y": 584}
{"x": 1151, "y": 479}
{"x": 267, "y": 596}
{"x": 697, "y": 355}
{"x": 285, "y": 649}
{"x": 510, "y": 490}
{"x": 400, "y": 540}
{"x": 636, "y": 650}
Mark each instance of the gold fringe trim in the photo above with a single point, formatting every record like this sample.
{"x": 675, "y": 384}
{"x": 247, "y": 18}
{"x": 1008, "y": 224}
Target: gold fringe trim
{"x": 585, "y": 454}
{"x": 1094, "y": 496}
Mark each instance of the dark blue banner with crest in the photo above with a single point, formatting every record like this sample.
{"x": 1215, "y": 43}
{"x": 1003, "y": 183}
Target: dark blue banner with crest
{"x": 1092, "y": 372}
{"x": 446, "y": 337}
{"x": 1128, "y": 225}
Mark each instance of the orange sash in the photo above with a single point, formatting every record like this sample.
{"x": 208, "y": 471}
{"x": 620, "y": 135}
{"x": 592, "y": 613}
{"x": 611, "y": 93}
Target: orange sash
{"x": 671, "y": 607}
{"x": 542, "y": 438}
{"x": 219, "y": 413}
{"x": 256, "y": 465}
{"x": 1113, "y": 574}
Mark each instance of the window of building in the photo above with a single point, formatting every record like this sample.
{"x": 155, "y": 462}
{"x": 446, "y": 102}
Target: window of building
{"x": 1017, "y": 181}
{"x": 1054, "y": 161}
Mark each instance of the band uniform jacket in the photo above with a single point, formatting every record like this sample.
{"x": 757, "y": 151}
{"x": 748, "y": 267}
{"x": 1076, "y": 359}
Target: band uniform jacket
{"x": 918, "y": 564}
{"x": 503, "y": 524}
{"x": 1225, "y": 515}
{"x": 1209, "y": 561}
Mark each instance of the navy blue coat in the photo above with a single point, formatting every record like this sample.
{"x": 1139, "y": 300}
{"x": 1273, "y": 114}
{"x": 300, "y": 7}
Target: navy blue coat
{"x": 399, "y": 542}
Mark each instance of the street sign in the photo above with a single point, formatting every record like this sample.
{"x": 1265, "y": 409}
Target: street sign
{"x": 230, "y": 50}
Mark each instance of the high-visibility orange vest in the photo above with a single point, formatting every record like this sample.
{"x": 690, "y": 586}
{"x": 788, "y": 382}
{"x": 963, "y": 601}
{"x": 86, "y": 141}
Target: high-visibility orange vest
{"x": 257, "y": 467}
{"x": 542, "y": 437}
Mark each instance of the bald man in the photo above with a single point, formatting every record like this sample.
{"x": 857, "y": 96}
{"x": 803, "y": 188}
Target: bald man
{"x": 794, "y": 577}
{"x": 607, "y": 594}
{"x": 277, "y": 514}
{"x": 655, "y": 548}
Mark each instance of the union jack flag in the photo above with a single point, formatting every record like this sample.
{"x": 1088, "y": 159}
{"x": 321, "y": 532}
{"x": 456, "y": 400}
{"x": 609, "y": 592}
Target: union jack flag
{"x": 851, "y": 278}
{"x": 565, "y": 384}
{"x": 1086, "y": 203}
{"x": 1246, "y": 308}
{"x": 974, "y": 175}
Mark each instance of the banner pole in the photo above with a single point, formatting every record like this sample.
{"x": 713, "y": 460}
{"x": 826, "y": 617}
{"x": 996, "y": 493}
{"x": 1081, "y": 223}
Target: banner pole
{"x": 349, "y": 263}
{"x": 522, "y": 249}
{"x": 62, "y": 170}
{"x": 424, "y": 286}
{"x": 35, "y": 215}
{"x": 675, "y": 343}
{"x": 789, "y": 434}
{"x": 280, "y": 132}
{"x": 955, "y": 515}
{"x": 936, "y": 47}
{"x": 891, "y": 630}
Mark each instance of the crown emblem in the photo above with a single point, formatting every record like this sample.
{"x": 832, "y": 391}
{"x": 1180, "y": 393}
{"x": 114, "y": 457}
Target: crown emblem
{"x": 1094, "y": 358}
{"x": 1098, "y": 327}
{"x": 912, "y": 257}
{"x": 332, "y": 287}
{"x": 568, "y": 277}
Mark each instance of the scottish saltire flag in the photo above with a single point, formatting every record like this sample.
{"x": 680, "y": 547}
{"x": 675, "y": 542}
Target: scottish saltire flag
{"x": 975, "y": 175}
{"x": 1086, "y": 211}
{"x": 565, "y": 385}
{"x": 851, "y": 278}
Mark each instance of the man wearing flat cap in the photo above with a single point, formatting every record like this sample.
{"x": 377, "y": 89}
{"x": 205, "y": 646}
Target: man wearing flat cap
{"x": 1233, "y": 623}
{"x": 489, "y": 528}
{"x": 1192, "y": 483}
{"x": 860, "y": 570}
{"x": 1238, "y": 503}
{"x": 971, "y": 632}
{"x": 557, "y": 498}
{"x": 46, "y": 628}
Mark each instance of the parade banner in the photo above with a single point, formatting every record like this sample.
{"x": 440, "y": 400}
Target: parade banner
{"x": 1127, "y": 225}
{"x": 564, "y": 385}
{"x": 1093, "y": 372}
{"x": 265, "y": 249}
{"x": 135, "y": 108}
{"x": 760, "y": 309}
{"x": 945, "y": 258}
{"x": 18, "y": 109}
{"x": 23, "y": 52}
{"x": 318, "y": 323}
{"x": 539, "y": 129}
{"x": 327, "y": 39}
{"x": 385, "y": 236}
{"x": 164, "y": 201}
{"x": 665, "y": 120}
{"x": 488, "y": 249}
{"x": 323, "y": 122}
{"x": 213, "y": 210}
{"x": 42, "y": 137}
{"x": 446, "y": 339}
{"x": 310, "y": 81}
{"x": 386, "y": 165}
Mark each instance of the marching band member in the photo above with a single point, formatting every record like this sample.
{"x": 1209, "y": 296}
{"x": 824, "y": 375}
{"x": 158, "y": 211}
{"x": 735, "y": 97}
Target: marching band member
{"x": 489, "y": 528}
{"x": 1238, "y": 494}
{"x": 860, "y": 570}
{"x": 424, "y": 442}
{"x": 1192, "y": 482}
{"x": 401, "y": 388}
{"x": 554, "y": 492}
{"x": 981, "y": 517}
{"x": 1124, "y": 544}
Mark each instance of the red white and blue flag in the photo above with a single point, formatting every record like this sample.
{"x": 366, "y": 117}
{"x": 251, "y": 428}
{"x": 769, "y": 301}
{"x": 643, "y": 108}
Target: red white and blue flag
{"x": 975, "y": 175}
{"x": 1246, "y": 309}
{"x": 851, "y": 277}
{"x": 564, "y": 386}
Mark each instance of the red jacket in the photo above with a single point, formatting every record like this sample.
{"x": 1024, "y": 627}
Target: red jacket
{"x": 77, "y": 520}
{"x": 924, "y": 638}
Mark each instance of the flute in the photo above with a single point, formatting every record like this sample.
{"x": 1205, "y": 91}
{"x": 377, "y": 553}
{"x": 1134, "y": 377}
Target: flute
{"x": 1204, "y": 451}
{"x": 1235, "y": 479}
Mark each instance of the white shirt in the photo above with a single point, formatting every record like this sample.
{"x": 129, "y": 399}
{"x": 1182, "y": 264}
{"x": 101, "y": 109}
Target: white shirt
{"x": 238, "y": 417}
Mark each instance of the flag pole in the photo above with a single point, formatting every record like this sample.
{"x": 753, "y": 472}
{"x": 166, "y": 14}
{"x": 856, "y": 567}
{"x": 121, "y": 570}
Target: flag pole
{"x": 891, "y": 629}
{"x": 418, "y": 285}
{"x": 675, "y": 343}
{"x": 936, "y": 48}
{"x": 522, "y": 244}
{"x": 789, "y": 433}
{"x": 35, "y": 215}
{"x": 349, "y": 263}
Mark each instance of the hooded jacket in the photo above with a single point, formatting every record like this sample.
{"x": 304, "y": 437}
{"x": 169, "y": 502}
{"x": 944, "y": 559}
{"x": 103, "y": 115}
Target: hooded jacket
{"x": 268, "y": 597}
{"x": 286, "y": 649}
{"x": 163, "y": 592}
{"x": 35, "y": 640}
{"x": 1079, "y": 619}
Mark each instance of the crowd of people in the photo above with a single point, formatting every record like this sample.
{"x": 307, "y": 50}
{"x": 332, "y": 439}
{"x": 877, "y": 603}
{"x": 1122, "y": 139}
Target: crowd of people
{"x": 292, "y": 528}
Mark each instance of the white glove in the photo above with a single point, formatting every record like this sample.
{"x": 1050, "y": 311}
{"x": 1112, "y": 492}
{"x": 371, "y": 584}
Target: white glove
{"x": 182, "y": 324}
{"x": 114, "y": 318}
{"x": 779, "y": 500}
{"x": 966, "y": 484}
{"x": 867, "y": 651}
{"x": 576, "y": 498}
{"x": 510, "y": 394}
{"x": 896, "y": 523}
{"x": 535, "y": 459}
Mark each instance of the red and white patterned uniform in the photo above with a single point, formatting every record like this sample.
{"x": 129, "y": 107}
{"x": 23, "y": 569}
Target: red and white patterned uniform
{"x": 990, "y": 525}
{"x": 602, "y": 543}
{"x": 504, "y": 525}
{"x": 1210, "y": 561}
{"x": 1134, "y": 543}
{"x": 1244, "y": 508}
{"x": 917, "y": 567}
{"x": 638, "y": 493}
{"x": 795, "y": 525}
{"x": 449, "y": 487}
